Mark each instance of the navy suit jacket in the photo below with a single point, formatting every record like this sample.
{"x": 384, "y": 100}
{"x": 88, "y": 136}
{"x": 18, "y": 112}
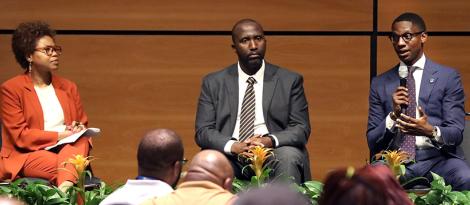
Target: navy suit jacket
{"x": 441, "y": 96}
{"x": 285, "y": 107}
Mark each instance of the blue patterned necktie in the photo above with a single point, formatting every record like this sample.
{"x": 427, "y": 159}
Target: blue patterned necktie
{"x": 409, "y": 143}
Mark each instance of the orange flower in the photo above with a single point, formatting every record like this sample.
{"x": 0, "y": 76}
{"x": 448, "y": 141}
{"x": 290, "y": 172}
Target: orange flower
{"x": 394, "y": 159}
{"x": 80, "y": 163}
{"x": 258, "y": 157}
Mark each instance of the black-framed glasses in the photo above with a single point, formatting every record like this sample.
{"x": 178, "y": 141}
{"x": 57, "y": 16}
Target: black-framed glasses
{"x": 407, "y": 37}
{"x": 49, "y": 50}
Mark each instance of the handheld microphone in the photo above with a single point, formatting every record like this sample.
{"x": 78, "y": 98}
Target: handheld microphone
{"x": 403, "y": 73}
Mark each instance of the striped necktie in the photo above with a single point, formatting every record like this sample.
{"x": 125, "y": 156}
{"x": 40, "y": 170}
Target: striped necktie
{"x": 247, "y": 115}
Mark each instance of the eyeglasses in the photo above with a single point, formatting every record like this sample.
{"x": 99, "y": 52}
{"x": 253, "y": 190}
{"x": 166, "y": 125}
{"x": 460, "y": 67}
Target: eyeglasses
{"x": 49, "y": 50}
{"x": 407, "y": 37}
{"x": 183, "y": 161}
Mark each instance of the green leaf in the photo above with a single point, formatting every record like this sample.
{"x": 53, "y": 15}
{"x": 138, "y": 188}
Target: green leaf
{"x": 402, "y": 170}
{"x": 438, "y": 182}
{"x": 314, "y": 186}
{"x": 5, "y": 189}
{"x": 239, "y": 185}
{"x": 434, "y": 197}
{"x": 457, "y": 197}
{"x": 412, "y": 196}
{"x": 57, "y": 201}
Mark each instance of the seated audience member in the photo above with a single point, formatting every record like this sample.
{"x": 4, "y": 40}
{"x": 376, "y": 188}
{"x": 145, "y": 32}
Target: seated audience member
{"x": 207, "y": 182}
{"x": 273, "y": 194}
{"x": 39, "y": 108}
{"x": 160, "y": 157}
{"x": 368, "y": 185}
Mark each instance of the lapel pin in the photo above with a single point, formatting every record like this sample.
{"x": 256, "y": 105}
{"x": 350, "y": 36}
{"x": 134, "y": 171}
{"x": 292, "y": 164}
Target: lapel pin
{"x": 432, "y": 80}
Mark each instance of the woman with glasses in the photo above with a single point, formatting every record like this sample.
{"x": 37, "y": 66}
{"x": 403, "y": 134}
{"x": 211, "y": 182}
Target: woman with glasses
{"x": 39, "y": 108}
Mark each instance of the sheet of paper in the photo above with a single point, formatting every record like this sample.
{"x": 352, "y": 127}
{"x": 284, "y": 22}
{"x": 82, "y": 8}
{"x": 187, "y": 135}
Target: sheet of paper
{"x": 92, "y": 132}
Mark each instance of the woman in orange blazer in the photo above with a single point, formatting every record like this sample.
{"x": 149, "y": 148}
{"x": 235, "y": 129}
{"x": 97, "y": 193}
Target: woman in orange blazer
{"x": 39, "y": 108}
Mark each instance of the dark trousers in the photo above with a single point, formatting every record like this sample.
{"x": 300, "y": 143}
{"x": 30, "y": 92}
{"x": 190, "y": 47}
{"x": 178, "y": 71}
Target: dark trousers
{"x": 455, "y": 171}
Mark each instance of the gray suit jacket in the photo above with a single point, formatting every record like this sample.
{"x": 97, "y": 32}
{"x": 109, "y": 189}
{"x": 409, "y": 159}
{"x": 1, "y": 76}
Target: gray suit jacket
{"x": 285, "y": 107}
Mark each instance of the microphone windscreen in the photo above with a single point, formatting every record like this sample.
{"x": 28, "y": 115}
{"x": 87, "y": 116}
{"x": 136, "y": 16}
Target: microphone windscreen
{"x": 403, "y": 71}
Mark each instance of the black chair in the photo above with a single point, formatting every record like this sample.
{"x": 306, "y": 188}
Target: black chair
{"x": 466, "y": 139}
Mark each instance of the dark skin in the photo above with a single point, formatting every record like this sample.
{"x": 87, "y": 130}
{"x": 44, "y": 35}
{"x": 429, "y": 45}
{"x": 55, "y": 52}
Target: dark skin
{"x": 409, "y": 52}
{"x": 249, "y": 44}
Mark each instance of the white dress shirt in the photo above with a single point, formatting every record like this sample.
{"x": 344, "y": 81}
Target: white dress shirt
{"x": 260, "y": 125}
{"x": 421, "y": 141}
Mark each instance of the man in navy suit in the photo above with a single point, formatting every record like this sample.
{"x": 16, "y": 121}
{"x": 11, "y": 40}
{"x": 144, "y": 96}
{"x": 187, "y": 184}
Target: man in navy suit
{"x": 433, "y": 132}
{"x": 279, "y": 117}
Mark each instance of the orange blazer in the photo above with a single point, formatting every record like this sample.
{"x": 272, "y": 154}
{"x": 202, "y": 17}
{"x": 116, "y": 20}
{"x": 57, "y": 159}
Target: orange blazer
{"x": 23, "y": 121}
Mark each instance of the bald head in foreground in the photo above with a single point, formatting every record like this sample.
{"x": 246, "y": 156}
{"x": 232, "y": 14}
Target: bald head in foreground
{"x": 207, "y": 182}
{"x": 5, "y": 200}
{"x": 160, "y": 156}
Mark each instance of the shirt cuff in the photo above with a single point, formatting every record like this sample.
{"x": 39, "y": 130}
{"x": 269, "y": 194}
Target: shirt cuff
{"x": 228, "y": 147}
{"x": 438, "y": 137}
{"x": 390, "y": 124}
{"x": 276, "y": 141}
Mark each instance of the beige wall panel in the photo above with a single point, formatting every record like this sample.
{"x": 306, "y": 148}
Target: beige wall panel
{"x": 189, "y": 15}
{"x": 449, "y": 51}
{"x": 130, "y": 84}
{"x": 438, "y": 15}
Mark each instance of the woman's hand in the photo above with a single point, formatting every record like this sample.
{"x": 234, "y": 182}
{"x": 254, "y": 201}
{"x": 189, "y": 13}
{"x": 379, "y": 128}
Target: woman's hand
{"x": 71, "y": 129}
{"x": 64, "y": 134}
{"x": 76, "y": 127}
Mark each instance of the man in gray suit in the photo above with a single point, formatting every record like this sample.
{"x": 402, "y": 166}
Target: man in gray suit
{"x": 252, "y": 103}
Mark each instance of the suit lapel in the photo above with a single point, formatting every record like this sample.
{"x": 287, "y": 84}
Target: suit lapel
{"x": 392, "y": 84}
{"x": 269, "y": 85}
{"x": 428, "y": 80}
{"x": 33, "y": 99}
{"x": 231, "y": 86}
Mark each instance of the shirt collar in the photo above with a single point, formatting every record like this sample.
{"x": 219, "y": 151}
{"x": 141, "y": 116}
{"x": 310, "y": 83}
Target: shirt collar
{"x": 258, "y": 76}
{"x": 418, "y": 64}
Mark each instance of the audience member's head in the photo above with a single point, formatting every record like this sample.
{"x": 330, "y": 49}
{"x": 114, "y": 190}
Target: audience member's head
{"x": 273, "y": 194}
{"x": 160, "y": 155}
{"x": 5, "y": 200}
{"x": 368, "y": 185}
{"x": 210, "y": 165}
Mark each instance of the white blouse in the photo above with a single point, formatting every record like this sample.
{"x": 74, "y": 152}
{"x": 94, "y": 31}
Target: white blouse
{"x": 51, "y": 109}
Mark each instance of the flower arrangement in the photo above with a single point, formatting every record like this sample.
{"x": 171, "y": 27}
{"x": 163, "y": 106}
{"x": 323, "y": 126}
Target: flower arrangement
{"x": 394, "y": 160}
{"x": 80, "y": 164}
{"x": 40, "y": 192}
